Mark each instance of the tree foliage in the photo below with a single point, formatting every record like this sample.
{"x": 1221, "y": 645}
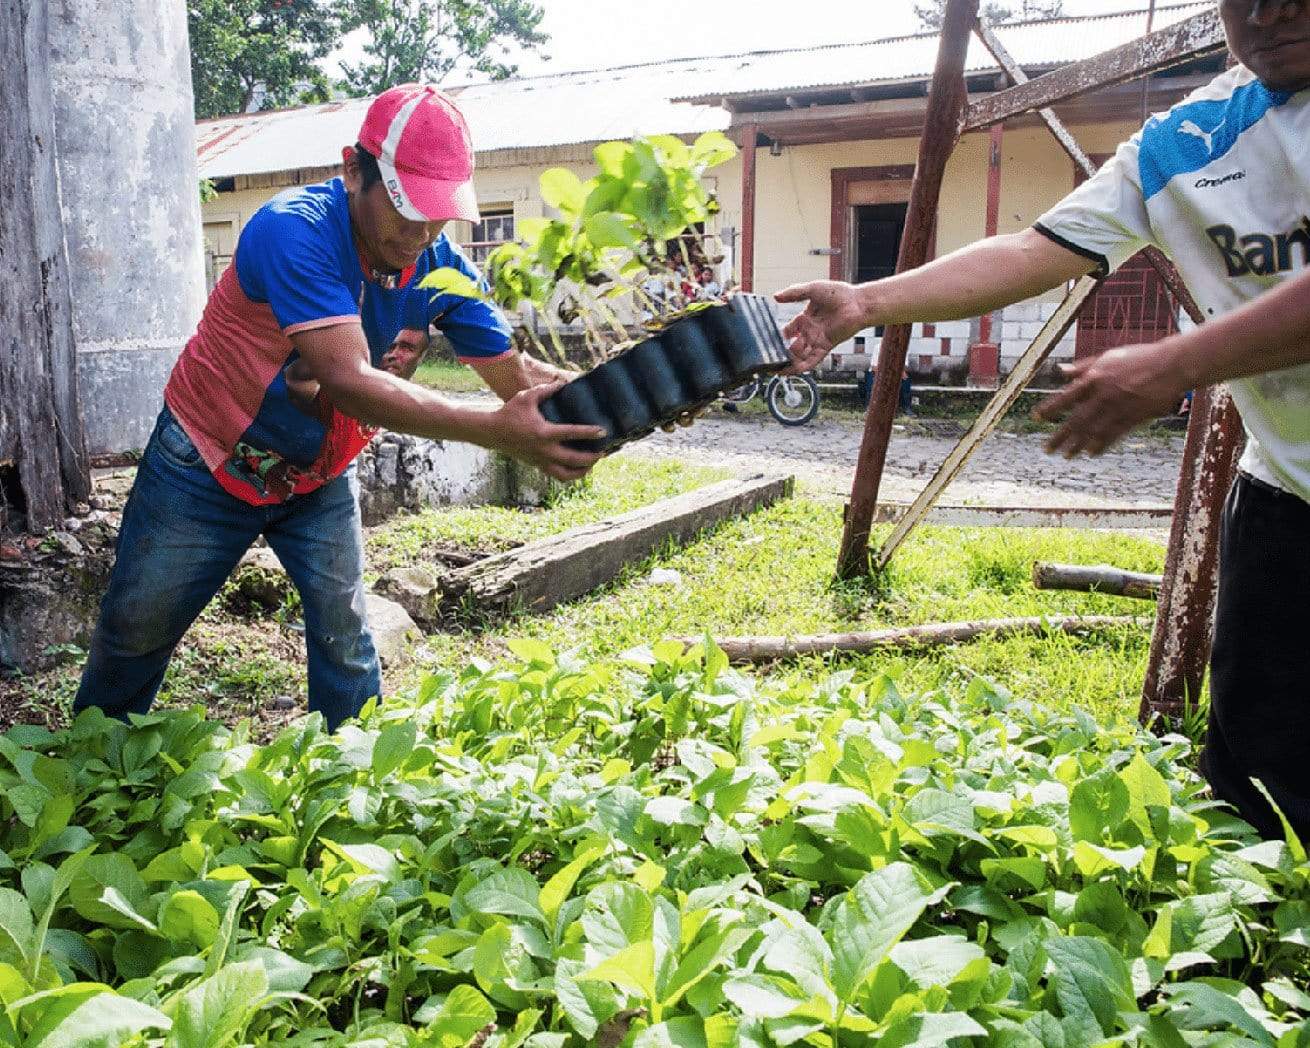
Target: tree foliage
{"x": 932, "y": 12}
{"x": 426, "y": 40}
{"x": 263, "y": 53}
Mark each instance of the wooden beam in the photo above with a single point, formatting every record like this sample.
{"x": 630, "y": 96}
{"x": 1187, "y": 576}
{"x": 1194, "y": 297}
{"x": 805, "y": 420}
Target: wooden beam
{"x": 1096, "y": 578}
{"x": 1020, "y": 375}
{"x": 941, "y": 133}
{"x": 1184, "y": 623}
{"x": 755, "y": 650}
{"x": 994, "y": 157}
{"x": 746, "y": 266}
{"x": 1196, "y": 37}
{"x": 551, "y": 571}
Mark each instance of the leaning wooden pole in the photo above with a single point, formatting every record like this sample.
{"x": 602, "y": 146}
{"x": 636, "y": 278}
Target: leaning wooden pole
{"x": 946, "y": 105}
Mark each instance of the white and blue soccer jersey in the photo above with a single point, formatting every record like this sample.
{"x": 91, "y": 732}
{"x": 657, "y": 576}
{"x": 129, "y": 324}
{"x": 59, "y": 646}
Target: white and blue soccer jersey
{"x": 1221, "y": 184}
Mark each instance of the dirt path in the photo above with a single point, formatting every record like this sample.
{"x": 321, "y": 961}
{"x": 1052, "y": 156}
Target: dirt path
{"x": 1009, "y": 470}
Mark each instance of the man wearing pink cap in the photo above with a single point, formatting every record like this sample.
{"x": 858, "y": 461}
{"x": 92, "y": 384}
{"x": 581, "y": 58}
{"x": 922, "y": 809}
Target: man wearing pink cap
{"x": 289, "y": 373}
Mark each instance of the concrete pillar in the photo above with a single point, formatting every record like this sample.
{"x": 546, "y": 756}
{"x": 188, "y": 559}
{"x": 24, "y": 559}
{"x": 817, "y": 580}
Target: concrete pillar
{"x": 125, "y": 139}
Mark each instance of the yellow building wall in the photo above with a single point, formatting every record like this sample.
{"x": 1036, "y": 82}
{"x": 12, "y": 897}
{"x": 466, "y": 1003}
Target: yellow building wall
{"x": 794, "y": 191}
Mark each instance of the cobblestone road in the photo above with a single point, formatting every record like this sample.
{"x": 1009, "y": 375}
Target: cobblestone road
{"x": 1009, "y": 470}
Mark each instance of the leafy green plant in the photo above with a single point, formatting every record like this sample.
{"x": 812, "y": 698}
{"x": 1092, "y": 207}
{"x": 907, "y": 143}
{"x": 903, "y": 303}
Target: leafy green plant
{"x": 646, "y": 851}
{"x": 634, "y": 222}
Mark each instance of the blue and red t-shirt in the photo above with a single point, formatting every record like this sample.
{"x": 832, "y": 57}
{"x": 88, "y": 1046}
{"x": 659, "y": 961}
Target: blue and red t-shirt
{"x": 296, "y": 268}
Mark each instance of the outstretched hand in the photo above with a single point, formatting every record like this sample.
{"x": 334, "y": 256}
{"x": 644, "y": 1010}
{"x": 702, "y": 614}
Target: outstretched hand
{"x": 834, "y": 312}
{"x": 1109, "y": 395}
{"x": 520, "y": 430}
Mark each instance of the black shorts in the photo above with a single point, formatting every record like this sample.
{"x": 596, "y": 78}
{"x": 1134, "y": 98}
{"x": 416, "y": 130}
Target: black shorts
{"x": 1260, "y": 668}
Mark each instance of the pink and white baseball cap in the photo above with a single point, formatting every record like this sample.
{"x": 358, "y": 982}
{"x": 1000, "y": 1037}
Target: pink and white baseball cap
{"x": 424, "y": 152}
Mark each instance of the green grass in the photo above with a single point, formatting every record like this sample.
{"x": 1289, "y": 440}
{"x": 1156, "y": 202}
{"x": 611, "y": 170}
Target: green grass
{"x": 771, "y": 573}
{"x": 448, "y": 376}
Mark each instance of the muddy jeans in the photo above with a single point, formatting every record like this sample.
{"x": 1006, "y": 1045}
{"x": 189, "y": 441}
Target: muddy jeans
{"x": 1260, "y": 669}
{"x": 181, "y": 537}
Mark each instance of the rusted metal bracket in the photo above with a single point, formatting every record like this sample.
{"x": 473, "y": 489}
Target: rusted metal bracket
{"x": 1196, "y": 37}
{"x": 1184, "y": 620}
{"x": 1020, "y": 375}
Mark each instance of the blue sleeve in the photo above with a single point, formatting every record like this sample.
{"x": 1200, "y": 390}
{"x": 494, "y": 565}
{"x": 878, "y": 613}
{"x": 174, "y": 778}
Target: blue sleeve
{"x": 477, "y": 330}
{"x": 286, "y": 259}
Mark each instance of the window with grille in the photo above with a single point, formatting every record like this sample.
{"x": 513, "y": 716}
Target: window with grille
{"x": 496, "y": 228}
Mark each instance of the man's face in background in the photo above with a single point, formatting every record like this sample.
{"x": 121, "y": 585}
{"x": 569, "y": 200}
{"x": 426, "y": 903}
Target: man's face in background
{"x": 406, "y": 353}
{"x": 1272, "y": 39}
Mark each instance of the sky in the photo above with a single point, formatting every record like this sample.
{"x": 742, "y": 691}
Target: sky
{"x": 593, "y": 34}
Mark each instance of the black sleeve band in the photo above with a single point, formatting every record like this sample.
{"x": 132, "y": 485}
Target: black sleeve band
{"x": 1102, "y": 263}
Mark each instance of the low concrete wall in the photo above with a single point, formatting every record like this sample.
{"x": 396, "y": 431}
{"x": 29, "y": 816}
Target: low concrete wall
{"x": 399, "y": 472}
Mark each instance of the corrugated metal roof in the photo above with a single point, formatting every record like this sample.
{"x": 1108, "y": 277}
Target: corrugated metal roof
{"x": 1049, "y": 43}
{"x": 554, "y": 110}
{"x": 568, "y": 108}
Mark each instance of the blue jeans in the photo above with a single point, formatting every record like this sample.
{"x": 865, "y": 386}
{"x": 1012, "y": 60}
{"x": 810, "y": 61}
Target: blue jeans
{"x": 181, "y": 537}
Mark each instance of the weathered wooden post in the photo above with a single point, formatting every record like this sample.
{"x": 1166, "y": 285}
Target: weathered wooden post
{"x": 946, "y": 101}
{"x": 43, "y": 462}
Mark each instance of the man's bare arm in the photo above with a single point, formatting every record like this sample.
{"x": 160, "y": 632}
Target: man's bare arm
{"x": 967, "y": 283}
{"x": 337, "y": 358}
{"x": 513, "y": 372}
{"x": 1121, "y": 388}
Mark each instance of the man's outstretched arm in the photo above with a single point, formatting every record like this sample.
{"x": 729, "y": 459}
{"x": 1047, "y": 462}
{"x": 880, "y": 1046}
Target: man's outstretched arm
{"x": 337, "y": 358}
{"x": 967, "y": 283}
{"x": 1108, "y": 396}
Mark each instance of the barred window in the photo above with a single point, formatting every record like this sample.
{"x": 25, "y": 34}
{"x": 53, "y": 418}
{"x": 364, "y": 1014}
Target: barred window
{"x": 496, "y": 228}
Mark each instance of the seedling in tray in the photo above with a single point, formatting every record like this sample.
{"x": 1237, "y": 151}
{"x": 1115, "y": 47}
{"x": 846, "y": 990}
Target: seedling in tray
{"x": 681, "y": 369}
{"x": 631, "y": 235}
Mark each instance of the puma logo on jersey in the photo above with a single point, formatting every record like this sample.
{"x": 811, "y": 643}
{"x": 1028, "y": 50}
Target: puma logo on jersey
{"x": 1260, "y": 254}
{"x": 1188, "y": 127}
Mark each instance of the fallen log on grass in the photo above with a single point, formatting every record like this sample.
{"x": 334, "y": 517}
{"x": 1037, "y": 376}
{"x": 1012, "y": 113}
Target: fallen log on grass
{"x": 772, "y": 649}
{"x": 550, "y": 571}
{"x": 1096, "y": 578}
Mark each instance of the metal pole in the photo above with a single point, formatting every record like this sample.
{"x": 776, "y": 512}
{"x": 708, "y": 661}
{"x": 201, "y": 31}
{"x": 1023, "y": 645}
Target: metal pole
{"x": 946, "y": 103}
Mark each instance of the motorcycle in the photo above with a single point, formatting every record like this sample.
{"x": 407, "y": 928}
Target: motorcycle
{"x": 792, "y": 399}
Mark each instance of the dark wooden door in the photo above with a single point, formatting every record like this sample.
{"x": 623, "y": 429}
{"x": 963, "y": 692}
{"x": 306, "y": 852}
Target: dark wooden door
{"x": 878, "y": 232}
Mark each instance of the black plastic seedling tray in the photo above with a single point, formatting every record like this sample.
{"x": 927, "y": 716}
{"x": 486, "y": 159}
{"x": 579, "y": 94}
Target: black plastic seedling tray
{"x": 681, "y": 369}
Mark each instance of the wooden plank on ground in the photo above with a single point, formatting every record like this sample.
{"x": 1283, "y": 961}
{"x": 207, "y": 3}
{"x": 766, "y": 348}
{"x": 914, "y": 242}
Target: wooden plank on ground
{"x": 551, "y": 571}
{"x": 1096, "y": 578}
{"x": 756, "y": 650}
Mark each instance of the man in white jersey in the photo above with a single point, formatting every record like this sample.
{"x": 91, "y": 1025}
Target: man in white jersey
{"x": 1221, "y": 183}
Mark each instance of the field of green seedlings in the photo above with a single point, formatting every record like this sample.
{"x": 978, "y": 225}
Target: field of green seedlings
{"x": 645, "y": 851}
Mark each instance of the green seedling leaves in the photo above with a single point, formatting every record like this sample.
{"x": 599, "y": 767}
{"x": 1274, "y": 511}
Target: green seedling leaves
{"x": 447, "y": 280}
{"x": 213, "y": 1013}
{"x": 652, "y": 851}
{"x": 869, "y": 921}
